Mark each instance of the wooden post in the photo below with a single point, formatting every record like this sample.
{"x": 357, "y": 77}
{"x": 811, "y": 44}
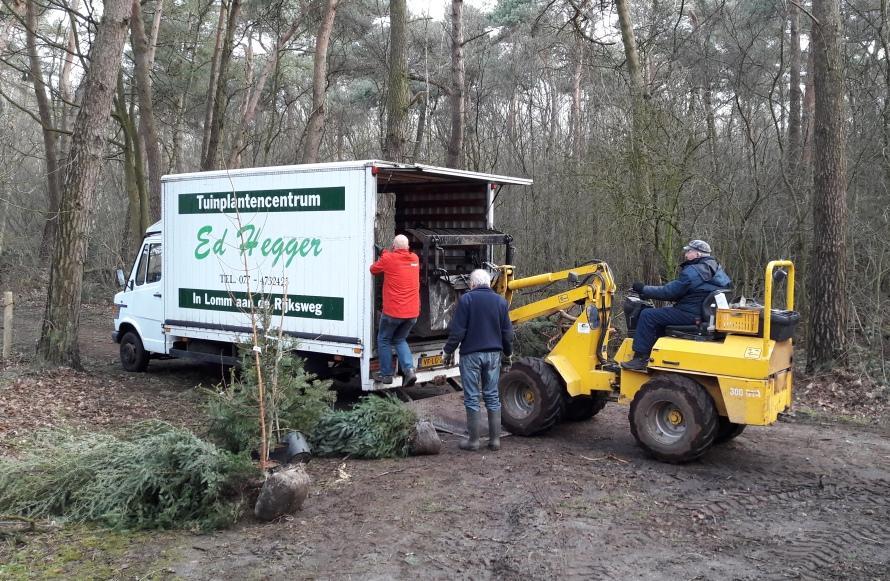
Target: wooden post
{"x": 7, "y": 324}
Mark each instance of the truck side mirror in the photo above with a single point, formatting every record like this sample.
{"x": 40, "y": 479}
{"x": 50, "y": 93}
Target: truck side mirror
{"x": 121, "y": 279}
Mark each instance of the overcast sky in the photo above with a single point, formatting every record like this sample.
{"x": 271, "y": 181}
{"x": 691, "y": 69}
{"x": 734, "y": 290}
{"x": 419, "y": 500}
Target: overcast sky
{"x": 437, "y": 8}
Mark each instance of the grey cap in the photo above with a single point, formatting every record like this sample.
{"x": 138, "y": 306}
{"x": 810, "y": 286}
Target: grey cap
{"x": 699, "y": 245}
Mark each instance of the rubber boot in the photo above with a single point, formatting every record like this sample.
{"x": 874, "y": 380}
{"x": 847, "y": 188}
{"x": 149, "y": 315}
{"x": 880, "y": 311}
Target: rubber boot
{"x": 471, "y": 442}
{"x": 640, "y": 362}
{"x": 494, "y": 430}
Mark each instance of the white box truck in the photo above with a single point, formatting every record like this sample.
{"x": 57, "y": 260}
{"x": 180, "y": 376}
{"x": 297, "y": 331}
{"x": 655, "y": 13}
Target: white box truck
{"x": 296, "y": 243}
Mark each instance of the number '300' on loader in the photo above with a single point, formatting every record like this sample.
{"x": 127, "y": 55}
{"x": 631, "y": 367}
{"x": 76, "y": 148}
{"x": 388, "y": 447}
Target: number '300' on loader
{"x": 704, "y": 384}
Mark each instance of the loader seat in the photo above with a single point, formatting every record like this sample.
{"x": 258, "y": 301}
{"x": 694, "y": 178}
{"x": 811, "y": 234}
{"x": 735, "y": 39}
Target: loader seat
{"x": 699, "y": 331}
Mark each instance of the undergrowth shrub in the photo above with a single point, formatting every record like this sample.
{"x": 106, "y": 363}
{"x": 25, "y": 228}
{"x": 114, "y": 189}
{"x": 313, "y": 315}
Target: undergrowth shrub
{"x": 377, "y": 427}
{"x": 154, "y": 476}
{"x": 295, "y": 400}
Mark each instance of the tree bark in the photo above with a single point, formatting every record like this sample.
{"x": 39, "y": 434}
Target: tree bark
{"x": 315, "y": 127}
{"x": 58, "y": 336}
{"x": 50, "y": 228}
{"x": 148, "y": 132}
{"x": 456, "y": 97}
{"x": 397, "y": 90}
{"x": 217, "y": 126}
{"x": 828, "y": 266}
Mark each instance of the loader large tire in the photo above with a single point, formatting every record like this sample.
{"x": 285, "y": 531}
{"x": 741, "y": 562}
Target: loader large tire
{"x": 531, "y": 397}
{"x": 727, "y": 430}
{"x": 584, "y": 407}
{"x": 673, "y": 418}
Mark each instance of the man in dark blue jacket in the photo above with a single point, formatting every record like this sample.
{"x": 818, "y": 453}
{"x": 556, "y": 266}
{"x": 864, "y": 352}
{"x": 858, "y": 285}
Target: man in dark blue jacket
{"x": 482, "y": 328}
{"x": 700, "y": 275}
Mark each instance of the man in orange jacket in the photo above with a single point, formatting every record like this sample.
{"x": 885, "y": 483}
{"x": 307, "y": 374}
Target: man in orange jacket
{"x": 401, "y": 307}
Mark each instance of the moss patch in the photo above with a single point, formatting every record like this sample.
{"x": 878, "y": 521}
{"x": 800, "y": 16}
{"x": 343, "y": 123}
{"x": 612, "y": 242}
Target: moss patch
{"x": 81, "y": 552}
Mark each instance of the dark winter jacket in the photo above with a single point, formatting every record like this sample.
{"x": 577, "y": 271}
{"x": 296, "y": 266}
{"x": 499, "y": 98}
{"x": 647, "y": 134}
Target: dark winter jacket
{"x": 481, "y": 323}
{"x": 698, "y": 278}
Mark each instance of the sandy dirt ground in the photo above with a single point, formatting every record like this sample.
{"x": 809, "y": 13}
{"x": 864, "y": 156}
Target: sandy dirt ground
{"x": 805, "y": 499}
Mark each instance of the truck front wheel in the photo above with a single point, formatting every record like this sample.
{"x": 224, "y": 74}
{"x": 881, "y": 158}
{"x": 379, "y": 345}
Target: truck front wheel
{"x": 531, "y": 397}
{"x": 134, "y": 357}
{"x": 673, "y": 418}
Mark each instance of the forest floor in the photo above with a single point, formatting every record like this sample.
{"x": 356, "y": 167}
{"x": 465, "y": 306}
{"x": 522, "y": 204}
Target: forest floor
{"x": 806, "y": 498}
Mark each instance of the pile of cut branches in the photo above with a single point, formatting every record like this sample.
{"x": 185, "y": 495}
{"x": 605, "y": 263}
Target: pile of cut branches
{"x": 154, "y": 476}
{"x": 378, "y": 427}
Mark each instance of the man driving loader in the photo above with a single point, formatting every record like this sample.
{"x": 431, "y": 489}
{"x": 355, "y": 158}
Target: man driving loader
{"x": 700, "y": 274}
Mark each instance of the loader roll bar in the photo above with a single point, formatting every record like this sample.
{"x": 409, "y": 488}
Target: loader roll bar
{"x": 768, "y": 296}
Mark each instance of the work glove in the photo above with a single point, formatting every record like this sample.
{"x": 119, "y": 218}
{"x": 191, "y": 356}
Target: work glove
{"x": 637, "y": 287}
{"x": 507, "y": 361}
{"x": 448, "y": 359}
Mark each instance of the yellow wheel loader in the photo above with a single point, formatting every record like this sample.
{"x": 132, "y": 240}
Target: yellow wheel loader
{"x": 704, "y": 383}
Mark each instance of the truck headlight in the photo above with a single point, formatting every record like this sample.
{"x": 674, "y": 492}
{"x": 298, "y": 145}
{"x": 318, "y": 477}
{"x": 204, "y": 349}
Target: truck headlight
{"x": 115, "y": 311}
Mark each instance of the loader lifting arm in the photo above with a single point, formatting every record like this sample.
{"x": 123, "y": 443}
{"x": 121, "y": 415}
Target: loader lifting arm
{"x": 580, "y": 356}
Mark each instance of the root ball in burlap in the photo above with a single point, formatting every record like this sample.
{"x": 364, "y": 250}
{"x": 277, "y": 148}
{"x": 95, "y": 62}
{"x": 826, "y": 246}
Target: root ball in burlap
{"x": 283, "y": 493}
{"x": 425, "y": 440}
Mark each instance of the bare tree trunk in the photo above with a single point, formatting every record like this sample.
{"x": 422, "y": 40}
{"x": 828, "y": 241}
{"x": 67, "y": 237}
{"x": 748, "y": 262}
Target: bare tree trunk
{"x": 66, "y": 87}
{"x": 58, "y": 336}
{"x": 885, "y": 113}
{"x": 422, "y": 99}
{"x": 214, "y": 78}
{"x": 134, "y": 172}
{"x": 828, "y": 266}
{"x": 397, "y": 90}
{"x": 147, "y": 130}
{"x": 794, "y": 95}
{"x": 808, "y": 114}
{"x": 639, "y": 155}
{"x": 155, "y": 30}
{"x": 315, "y": 127}
{"x": 51, "y": 225}
{"x": 211, "y": 160}
{"x": 252, "y": 99}
{"x": 456, "y": 97}
{"x": 576, "y": 103}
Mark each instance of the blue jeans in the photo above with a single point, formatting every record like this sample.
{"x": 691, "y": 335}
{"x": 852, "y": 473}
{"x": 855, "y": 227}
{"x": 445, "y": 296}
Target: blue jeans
{"x": 392, "y": 332}
{"x": 652, "y": 323}
{"x": 481, "y": 369}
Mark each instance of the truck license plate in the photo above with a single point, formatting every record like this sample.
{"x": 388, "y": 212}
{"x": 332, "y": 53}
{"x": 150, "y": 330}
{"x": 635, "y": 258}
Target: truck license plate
{"x": 431, "y": 361}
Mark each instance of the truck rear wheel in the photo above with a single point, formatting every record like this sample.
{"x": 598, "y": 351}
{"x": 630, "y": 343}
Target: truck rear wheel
{"x": 134, "y": 357}
{"x": 727, "y": 430}
{"x": 531, "y": 397}
{"x": 673, "y": 418}
{"x": 583, "y": 407}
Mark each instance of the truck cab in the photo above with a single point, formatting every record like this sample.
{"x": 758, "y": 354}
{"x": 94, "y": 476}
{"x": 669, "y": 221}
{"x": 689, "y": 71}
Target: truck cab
{"x": 139, "y": 307}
